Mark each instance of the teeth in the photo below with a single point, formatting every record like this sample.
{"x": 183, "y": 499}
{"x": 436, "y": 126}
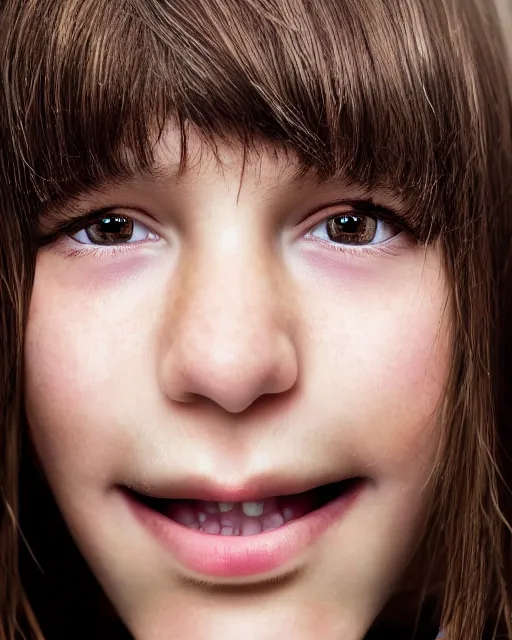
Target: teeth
{"x": 287, "y": 514}
{"x": 212, "y": 527}
{"x": 226, "y": 506}
{"x": 272, "y": 522}
{"x": 230, "y": 519}
{"x": 252, "y": 508}
{"x": 251, "y": 527}
{"x": 211, "y": 507}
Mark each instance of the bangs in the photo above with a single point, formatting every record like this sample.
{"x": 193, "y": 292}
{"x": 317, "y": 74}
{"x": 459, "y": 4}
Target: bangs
{"x": 382, "y": 93}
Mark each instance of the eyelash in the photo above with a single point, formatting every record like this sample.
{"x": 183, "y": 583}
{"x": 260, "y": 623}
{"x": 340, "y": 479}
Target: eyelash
{"x": 357, "y": 208}
{"x": 105, "y": 252}
{"x": 362, "y": 251}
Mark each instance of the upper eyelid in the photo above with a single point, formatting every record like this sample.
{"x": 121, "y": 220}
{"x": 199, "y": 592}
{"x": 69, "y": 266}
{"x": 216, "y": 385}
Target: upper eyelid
{"x": 68, "y": 225}
{"x": 378, "y": 212}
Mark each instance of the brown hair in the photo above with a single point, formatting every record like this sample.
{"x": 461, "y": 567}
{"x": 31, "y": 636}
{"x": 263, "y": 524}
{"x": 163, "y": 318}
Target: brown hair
{"x": 410, "y": 95}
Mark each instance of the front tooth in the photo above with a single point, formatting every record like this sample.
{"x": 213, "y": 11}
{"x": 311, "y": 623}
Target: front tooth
{"x": 210, "y": 507}
{"x": 226, "y": 506}
{"x": 252, "y": 508}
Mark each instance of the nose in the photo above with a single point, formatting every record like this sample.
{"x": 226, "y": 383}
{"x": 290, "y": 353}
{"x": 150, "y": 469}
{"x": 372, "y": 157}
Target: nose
{"x": 229, "y": 331}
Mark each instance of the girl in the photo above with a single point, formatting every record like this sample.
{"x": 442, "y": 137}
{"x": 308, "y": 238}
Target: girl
{"x": 257, "y": 255}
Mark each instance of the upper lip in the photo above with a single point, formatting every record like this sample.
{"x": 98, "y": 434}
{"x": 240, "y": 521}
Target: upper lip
{"x": 208, "y": 490}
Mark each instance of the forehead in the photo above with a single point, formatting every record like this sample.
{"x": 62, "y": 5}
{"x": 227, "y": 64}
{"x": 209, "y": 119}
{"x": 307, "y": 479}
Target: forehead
{"x": 225, "y": 158}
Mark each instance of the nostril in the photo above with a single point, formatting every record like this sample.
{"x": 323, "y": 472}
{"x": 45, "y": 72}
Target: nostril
{"x": 231, "y": 364}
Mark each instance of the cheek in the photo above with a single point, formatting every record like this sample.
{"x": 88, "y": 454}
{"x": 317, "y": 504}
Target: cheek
{"x": 83, "y": 346}
{"x": 381, "y": 358}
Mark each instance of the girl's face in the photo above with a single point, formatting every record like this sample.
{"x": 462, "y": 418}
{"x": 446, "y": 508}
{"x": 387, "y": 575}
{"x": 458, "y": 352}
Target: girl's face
{"x": 239, "y": 337}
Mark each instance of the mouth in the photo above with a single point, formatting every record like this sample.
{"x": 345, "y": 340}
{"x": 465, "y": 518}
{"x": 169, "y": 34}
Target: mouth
{"x": 254, "y": 539}
{"x": 248, "y": 518}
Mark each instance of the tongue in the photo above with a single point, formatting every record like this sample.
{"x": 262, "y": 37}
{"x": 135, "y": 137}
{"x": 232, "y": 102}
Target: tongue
{"x": 239, "y": 519}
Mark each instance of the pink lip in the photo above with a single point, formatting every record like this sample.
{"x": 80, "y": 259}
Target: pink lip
{"x": 242, "y": 556}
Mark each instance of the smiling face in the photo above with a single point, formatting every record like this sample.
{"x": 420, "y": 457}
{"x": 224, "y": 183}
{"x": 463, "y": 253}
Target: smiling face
{"x": 217, "y": 338}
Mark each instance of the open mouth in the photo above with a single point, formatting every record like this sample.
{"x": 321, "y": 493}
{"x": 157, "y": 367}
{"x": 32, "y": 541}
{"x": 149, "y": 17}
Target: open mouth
{"x": 247, "y": 518}
{"x": 261, "y": 534}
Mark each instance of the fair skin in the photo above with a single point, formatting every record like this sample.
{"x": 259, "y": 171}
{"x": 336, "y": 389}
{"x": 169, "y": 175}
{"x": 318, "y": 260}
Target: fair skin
{"x": 231, "y": 345}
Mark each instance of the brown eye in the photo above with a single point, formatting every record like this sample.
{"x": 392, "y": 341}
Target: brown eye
{"x": 352, "y": 229}
{"x": 110, "y": 230}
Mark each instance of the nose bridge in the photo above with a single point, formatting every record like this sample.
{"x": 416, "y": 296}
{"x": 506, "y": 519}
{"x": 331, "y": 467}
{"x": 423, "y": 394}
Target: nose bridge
{"x": 230, "y": 342}
{"x": 233, "y": 304}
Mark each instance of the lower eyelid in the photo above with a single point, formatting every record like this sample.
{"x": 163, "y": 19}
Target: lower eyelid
{"x": 95, "y": 251}
{"x": 69, "y": 247}
{"x": 392, "y": 246}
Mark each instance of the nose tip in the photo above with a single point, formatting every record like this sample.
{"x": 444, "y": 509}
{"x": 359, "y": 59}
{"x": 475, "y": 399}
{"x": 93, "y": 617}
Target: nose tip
{"x": 230, "y": 328}
{"x": 234, "y": 375}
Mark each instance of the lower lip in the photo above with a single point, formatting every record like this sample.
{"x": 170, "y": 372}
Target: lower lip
{"x": 243, "y": 556}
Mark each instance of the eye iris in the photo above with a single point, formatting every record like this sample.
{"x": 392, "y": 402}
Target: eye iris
{"x": 110, "y": 230}
{"x": 352, "y": 229}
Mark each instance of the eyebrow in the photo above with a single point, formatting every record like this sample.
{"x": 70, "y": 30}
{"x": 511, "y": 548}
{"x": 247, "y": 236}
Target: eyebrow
{"x": 289, "y": 174}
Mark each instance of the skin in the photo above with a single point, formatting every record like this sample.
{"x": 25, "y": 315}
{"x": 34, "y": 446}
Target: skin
{"x": 142, "y": 368}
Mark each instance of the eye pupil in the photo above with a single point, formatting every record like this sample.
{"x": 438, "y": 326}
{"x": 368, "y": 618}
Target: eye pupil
{"x": 352, "y": 229}
{"x": 110, "y": 230}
